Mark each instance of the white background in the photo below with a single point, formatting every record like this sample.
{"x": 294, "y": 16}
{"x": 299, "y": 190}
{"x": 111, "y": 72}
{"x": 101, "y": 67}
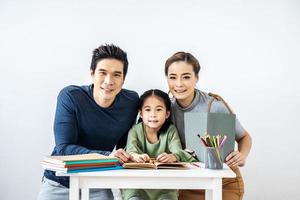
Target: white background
{"x": 248, "y": 50}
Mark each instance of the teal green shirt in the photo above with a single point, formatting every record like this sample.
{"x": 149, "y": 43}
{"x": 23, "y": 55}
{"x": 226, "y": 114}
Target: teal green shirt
{"x": 168, "y": 142}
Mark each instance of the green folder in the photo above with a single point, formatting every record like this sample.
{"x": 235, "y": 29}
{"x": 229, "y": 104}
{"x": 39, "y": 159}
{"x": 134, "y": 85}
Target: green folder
{"x": 213, "y": 123}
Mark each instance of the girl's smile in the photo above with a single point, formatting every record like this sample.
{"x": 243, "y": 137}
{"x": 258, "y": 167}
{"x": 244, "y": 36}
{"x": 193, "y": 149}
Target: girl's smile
{"x": 154, "y": 113}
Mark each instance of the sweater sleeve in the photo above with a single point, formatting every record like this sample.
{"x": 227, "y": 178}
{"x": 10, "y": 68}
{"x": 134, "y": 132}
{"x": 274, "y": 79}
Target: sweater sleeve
{"x": 122, "y": 142}
{"x": 66, "y": 128}
{"x": 175, "y": 146}
{"x": 133, "y": 142}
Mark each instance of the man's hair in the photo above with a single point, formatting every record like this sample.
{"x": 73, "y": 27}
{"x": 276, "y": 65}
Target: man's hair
{"x": 109, "y": 52}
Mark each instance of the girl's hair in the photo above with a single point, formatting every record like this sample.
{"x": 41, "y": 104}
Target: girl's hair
{"x": 184, "y": 57}
{"x": 162, "y": 96}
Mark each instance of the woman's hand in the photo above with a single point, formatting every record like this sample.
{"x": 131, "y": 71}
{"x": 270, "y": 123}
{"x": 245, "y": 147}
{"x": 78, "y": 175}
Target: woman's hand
{"x": 166, "y": 158}
{"x": 238, "y": 158}
{"x": 140, "y": 158}
{"x": 235, "y": 159}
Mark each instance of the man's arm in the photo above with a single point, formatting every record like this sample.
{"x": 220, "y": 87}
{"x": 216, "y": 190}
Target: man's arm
{"x": 66, "y": 128}
{"x": 120, "y": 152}
{"x": 122, "y": 142}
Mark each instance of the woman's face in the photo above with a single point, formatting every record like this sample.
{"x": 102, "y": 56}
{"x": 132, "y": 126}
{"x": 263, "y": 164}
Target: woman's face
{"x": 182, "y": 82}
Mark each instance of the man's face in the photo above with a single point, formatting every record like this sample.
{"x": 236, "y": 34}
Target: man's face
{"x": 108, "y": 79}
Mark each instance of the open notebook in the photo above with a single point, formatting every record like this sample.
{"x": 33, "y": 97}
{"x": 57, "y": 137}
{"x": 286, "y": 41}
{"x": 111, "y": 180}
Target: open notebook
{"x": 155, "y": 165}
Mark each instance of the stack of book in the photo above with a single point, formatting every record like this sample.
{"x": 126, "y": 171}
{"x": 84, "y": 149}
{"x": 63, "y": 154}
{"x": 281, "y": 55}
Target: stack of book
{"x": 80, "y": 163}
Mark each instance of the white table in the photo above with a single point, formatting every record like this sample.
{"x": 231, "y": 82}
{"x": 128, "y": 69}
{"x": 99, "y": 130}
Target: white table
{"x": 195, "y": 178}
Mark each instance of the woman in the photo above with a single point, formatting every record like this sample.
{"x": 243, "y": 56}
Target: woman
{"x": 182, "y": 73}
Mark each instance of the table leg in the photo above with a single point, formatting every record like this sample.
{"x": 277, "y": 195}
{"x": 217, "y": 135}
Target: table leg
{"x": 74, "y": 188}
{"x": 85, "y": 194}
{"x": 216, "y": 192}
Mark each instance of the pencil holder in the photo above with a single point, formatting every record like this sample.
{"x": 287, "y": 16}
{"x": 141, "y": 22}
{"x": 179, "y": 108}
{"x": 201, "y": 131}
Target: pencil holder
{"x": 213, "y": 158}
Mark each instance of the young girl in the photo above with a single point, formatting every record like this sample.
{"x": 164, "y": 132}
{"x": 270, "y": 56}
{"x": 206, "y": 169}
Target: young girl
{"x": 154, "y": 137}
{"x": 182, "y": 73}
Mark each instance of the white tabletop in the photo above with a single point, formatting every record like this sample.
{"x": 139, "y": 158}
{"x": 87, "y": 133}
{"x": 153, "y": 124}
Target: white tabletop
{"x": 192, "y": 171}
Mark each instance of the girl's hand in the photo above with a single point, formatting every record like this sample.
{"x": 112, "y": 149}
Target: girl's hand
{"x": 166, "y": 158}
{"x": 140, "y": 158}
{"x": 235, "y": 159}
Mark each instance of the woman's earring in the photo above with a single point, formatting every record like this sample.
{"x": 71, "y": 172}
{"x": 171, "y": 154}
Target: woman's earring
{"x": 170, "y": 94}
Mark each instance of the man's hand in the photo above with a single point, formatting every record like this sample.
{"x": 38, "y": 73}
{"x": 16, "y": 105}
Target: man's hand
{"x": 140, "y": 158}
{"x": 235, "y": 159}
{"x": 121, "y": 155}
{"x": 166, "y": 158}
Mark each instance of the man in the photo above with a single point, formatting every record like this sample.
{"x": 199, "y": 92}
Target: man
{"x": 93, "y": 118}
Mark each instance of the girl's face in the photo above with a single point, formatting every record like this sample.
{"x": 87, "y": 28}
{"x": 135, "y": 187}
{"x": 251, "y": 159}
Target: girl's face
{"x": 182, "y": 82}
{"x": 154, "y": 113}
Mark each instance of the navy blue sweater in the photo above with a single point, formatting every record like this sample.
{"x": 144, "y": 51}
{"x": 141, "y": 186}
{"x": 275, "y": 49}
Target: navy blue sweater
{"x": 82, "y": 126}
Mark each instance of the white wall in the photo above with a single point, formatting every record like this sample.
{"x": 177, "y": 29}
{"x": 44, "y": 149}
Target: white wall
{"x": 249, "y": 52}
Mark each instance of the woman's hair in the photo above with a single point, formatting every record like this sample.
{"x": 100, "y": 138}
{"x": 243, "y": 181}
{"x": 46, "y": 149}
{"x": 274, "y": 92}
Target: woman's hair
{"x": 184, "y": 57}
{"x": 162, "y": 96}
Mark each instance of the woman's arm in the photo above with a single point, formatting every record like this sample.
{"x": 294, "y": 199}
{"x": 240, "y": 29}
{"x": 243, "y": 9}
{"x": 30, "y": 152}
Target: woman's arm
{"x": 238, "y": 158}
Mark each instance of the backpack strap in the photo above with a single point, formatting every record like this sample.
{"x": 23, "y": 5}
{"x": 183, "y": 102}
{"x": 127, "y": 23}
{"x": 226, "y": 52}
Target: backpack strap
{"x": 218, "y": 98}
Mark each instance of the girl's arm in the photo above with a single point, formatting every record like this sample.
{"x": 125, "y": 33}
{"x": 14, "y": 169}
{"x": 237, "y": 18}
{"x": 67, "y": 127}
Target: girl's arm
{"x": 140, "y": 158}
{"x": 134, "y": 146}
{"x": 175, "y": 147}
{"x": 166, "y": 158}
